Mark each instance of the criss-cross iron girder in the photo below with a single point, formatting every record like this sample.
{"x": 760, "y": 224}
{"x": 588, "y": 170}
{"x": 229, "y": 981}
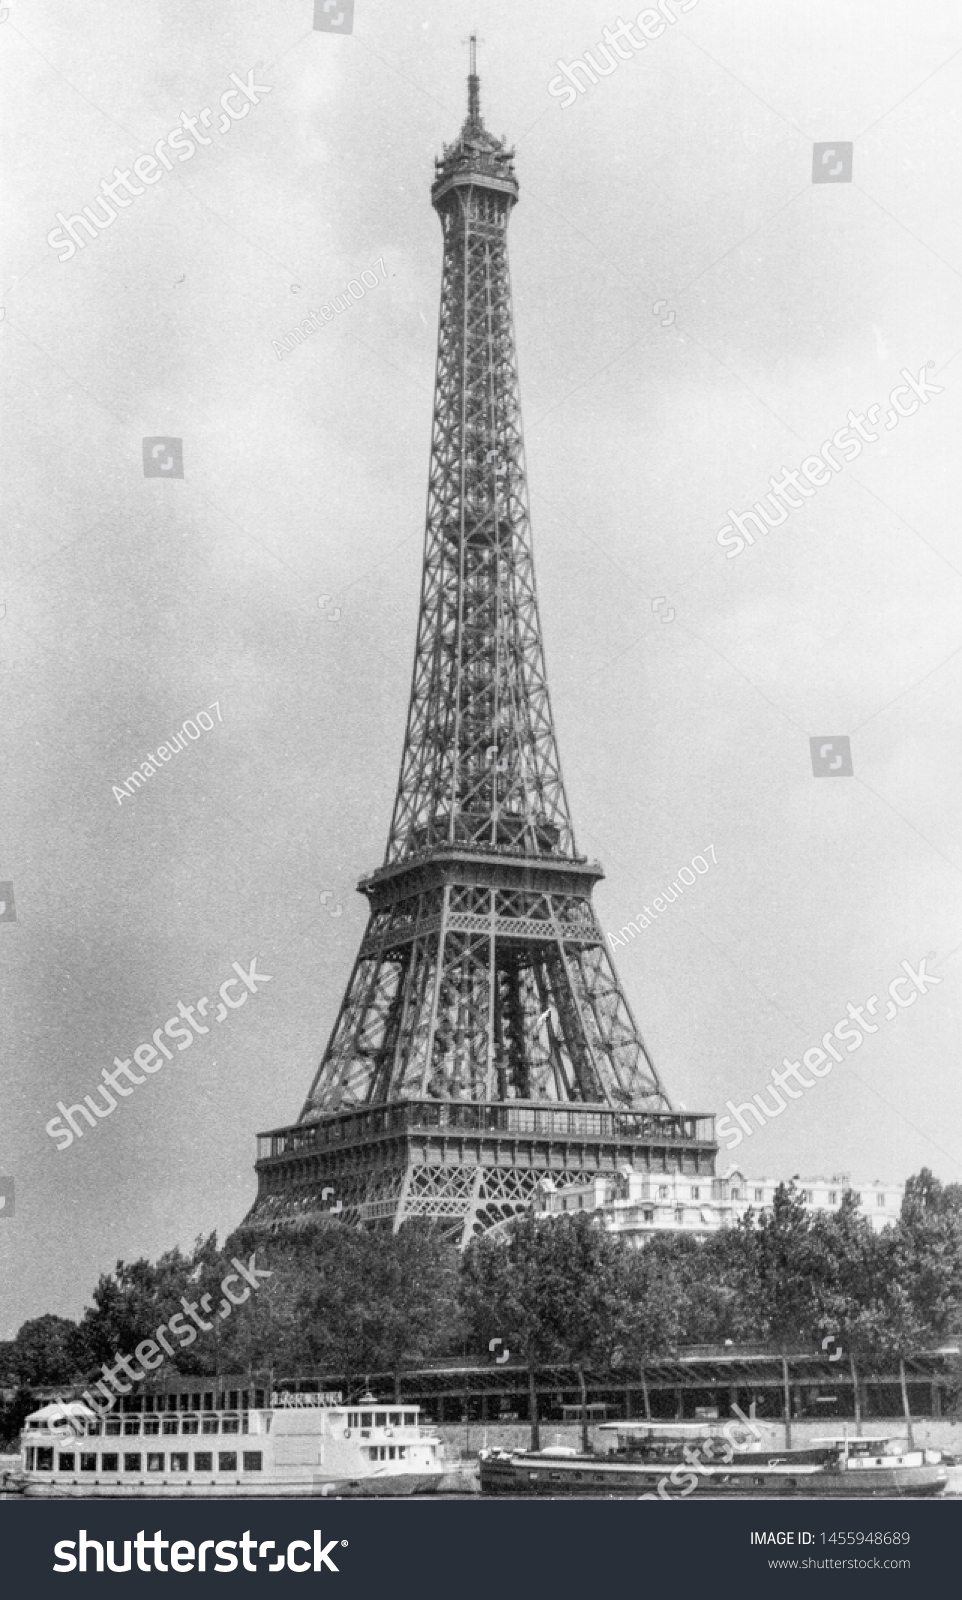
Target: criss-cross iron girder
{"x": 480, "y": 763}
{"x": 483, "y": 975}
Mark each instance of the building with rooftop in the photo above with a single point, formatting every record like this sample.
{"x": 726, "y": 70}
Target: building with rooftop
{"x": 639, "y": 1204}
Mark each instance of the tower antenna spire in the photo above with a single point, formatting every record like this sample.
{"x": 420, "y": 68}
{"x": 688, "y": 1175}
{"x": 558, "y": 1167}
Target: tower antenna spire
{"x": 474, "y": 84}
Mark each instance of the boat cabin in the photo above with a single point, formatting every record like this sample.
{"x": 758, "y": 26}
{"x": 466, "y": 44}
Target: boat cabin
{"x": 70, "y": 1441}
{"x": 876, "y": 1450}
{"x": 665, "y": 1441}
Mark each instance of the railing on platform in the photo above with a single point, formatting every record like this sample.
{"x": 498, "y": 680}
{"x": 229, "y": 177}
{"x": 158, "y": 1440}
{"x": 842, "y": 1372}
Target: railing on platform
{"x": 515, "y": 1119}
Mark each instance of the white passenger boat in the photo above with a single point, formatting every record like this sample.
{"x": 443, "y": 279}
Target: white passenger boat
{"x": 301, "y": 1446}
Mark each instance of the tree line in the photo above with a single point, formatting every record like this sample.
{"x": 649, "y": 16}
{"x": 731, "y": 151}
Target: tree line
{"x": 552, "y": 1289}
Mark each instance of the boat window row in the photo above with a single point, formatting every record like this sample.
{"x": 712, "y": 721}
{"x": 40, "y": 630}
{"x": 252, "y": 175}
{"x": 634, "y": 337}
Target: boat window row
{"x": 599, "y": 1477}
{"x": 197, "y": 1400}
{"x": 150, "y": 1427}
{"x": 382, "y": 1419}
{"x": 40, "y": 1458}
{"x": 388, "y": 1452}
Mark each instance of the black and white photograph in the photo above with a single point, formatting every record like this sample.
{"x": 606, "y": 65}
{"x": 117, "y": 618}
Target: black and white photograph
{"x": 480, "y": 913}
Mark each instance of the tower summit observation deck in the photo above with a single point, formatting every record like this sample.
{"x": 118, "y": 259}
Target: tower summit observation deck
{"x": 484, "y": 1042}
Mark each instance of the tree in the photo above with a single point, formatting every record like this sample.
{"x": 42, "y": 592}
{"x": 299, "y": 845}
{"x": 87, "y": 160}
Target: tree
{"x": 786, "y": 1266}
{"x": 509, "y": 1294}
{"x": 585, "y": 1295}
{"x": 131, "y": 1303}
{"x": 12, "y": 1418}
{"x": 315, "y": 1309}
{"x": 348, "y": 1301}
{"x": 46, "y": 1350}
{"x": 415, "y": 1310}
{"x": 656, "y": 1281}
{"x": 928, "y": 1255}
{"x": 720, "y": 1292}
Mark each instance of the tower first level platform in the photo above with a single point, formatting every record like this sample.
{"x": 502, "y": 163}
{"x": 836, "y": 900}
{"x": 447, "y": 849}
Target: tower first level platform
{"x": 467, "y": 1164}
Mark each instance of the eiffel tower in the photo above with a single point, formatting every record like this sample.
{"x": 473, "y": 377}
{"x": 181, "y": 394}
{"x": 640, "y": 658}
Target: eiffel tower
{"x": 484, "y": 1043}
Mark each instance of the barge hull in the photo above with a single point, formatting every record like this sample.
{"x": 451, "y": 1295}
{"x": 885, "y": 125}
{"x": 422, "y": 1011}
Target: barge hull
{"x": 593, "y": 1482}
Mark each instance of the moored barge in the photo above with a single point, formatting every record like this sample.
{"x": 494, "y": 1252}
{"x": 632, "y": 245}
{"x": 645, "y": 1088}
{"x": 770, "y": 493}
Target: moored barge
{"x": 671, "y": 1461}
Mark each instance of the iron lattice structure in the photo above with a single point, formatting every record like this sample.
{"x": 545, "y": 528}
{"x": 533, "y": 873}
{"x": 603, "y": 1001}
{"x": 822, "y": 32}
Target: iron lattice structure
{"x": 483, "y": 992}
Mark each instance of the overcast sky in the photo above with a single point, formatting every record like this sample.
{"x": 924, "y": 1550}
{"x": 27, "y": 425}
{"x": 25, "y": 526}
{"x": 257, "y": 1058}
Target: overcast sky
{"x": 684, "y": 177}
